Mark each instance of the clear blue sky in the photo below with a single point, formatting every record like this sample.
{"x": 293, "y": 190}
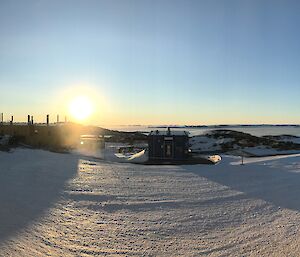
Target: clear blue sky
{"x": 152, "y": 62}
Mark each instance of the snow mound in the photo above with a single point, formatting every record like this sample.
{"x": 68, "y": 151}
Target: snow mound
{"x": 140, "y": 157}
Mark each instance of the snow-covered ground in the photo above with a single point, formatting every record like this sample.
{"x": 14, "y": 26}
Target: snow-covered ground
{"x": 266, "y": 151}
{"x": 68, "y": 205}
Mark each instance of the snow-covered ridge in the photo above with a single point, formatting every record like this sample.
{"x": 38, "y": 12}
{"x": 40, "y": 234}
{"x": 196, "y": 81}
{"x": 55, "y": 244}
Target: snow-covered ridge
{"x": 234, "y": 142}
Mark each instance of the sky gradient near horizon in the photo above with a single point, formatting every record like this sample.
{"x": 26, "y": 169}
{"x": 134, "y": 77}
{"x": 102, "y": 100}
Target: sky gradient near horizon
{"x": 152, "y": 62}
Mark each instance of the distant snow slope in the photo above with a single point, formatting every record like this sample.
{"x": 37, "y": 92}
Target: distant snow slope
{"x": 207, "y": 144}
{"x": 292, "y": 139}
{"x": 234, "y": 142}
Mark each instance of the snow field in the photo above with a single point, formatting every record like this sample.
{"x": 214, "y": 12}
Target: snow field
{"x": 76, "y": 206}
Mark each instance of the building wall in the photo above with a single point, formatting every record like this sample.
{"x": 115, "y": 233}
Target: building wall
{"x": 157, "y": 147}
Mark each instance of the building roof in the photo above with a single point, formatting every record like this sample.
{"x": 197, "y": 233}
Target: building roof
{"x": 168, "y": 133}
{"x": 91, "y": 136}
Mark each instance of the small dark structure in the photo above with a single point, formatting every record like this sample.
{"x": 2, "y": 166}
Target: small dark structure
{"x": 168, "y": 145}
{"x": 91, "y": 143}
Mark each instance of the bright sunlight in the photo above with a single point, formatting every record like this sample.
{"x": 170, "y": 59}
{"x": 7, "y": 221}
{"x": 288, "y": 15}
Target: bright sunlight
{"x": 81, "y": 108}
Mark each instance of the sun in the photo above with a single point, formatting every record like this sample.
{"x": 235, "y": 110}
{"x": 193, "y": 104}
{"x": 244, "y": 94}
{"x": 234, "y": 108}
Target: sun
{"x": 81, "y": 108}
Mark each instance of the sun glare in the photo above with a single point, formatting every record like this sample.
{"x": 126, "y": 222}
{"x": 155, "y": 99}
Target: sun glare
{"x": 81, "y": 108}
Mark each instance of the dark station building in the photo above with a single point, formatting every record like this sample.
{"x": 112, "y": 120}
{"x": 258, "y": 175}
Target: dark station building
{"x": 168, "y": 145}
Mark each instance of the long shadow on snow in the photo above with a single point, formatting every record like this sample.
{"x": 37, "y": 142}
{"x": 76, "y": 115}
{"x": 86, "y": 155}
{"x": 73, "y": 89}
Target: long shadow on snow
{"x": 274, "y": 185}
{"x": 30, "y": 186}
